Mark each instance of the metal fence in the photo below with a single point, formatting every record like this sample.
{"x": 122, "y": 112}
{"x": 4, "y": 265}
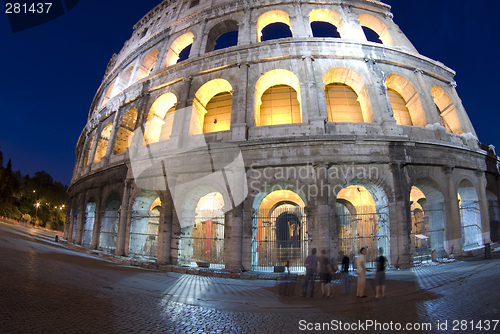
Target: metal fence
{"x": 362, "y": 227}
{"x": 208, "y": 238}
{"x": 428, "y": 232}
{"x": 109, "y": 231}
{"x": 279, "y": 239}
{"x": 470, "y": 215}
{"x": 144, "y": 234}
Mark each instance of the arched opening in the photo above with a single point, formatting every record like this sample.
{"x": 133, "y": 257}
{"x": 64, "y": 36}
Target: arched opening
{"x": 405, "y": 101}
{"x": 347, "y": 96}
{"x": 125, "y": 131}
{"x": 88, "y": 224}
{"x": 470, "y": 216}
{"x": 212, "y": 107}
{"x": 107, "y": 96}
{"x": 375, "y": 30}
{"x": 342, "y": 103}
{"x": 277, "y": 99}
{"x": 182, "y": 43}
{"x": 160, "y": 119}
{"x": 363, "y": 221}
{"x": 109, "y": 224}
{"x": 428, "y": 216}
{"x": 102, "y": 145}
{"x": 494, "y": 214}
{"x": 144, "y": 225}
{"x": 88, "y": 150}
{"x": 446, "y": 110}
{"x": 124, "y": 79}
{"x": 276, "y": 24}
{"x": 280, "y": 229}
{"x": 222, "y": 35}
{"x": 147, "y": 65}
{"x": 326, "y": 23}
{"x": 201, "y": 238}
{"x": 204, "y": 241}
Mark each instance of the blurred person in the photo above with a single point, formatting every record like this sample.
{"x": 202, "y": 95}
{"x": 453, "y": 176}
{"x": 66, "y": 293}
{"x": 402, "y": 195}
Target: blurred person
{"x": 361, "y": 270}
{"x": 311, "y": 264}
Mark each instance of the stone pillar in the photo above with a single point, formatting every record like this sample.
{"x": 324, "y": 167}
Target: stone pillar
{"x": 352, "y": 28}
{"x": 122, "y": 227}
{"x": 298, "y": 24}
{"x": 164, "y": 232}
{"x": 233, "y": 235}
{"x": 197, "y": 43}
{"x": 239, "y": 125}
{"x": 483, "y": 202}
{"x": 174, "y": 238}
{"x": 317, "y": 111}
{"x": 96, "y": 231}
{"x": 247, "y": 246}
{"x": 182, "y": 112}
{"x": 81, "y": 222}
{"x": 431, "y": 112}
{"x": 245, "y": 29}
{"x": 462, "y": 115}
{"x": 453, "y": 243}
{"x": 68, "y": 228}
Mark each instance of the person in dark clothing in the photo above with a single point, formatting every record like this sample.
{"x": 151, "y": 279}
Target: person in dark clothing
{"x": 311, "y": 264}
{"x": 380, "y": 275}
{"x": 325, "y": 273}
{"x": 345, "y": 274}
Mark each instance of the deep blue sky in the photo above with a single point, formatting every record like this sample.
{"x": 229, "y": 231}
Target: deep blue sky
{"x": 51, "y": 72}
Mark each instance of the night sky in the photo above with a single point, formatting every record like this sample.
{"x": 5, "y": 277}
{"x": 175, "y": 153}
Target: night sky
{"x": 51, "y": 72}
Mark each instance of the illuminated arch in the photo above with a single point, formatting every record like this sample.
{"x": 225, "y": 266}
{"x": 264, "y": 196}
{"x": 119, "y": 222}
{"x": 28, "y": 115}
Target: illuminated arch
{"x": 329, "y": 16}
{"x": 273, "y": 16}
{"x": 378, "y": 26}
{"x": 124, "y": 79}
{"x": 354, "y": 81}
{"x": 177, "y": 46}
{"x": 447, "y": 110}
{"x": 125, "y": 131}
{"x": 470, "y": 215}
{"x": 202, "y": 116}
{"x": 102, "y": 145}
{"x": 88, "y": 149}
{"x": 160, "y": 119}
{"x": 407, "y": 95}
{"x": 147, "y": 65}
{"x": 107, "y": 96}
{"x": 276, "y": 78}
{"x": 219, "y": 30}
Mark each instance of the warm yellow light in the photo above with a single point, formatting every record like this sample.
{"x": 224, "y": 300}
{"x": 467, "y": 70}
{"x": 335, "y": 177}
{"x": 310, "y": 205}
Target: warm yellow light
{"x": 327, "y": 15}
{"x": 177, "y": 46}
{"x": 37, "y": 205}
{"x": 273, "y": 16}
{"x": 377, "y": 26}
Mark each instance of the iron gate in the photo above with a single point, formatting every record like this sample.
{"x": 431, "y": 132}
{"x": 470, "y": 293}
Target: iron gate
{"x": 363, "y": 227}
{"x": 279, "y": 238}
{"x": 109, "y": 231}
{"x": 472, "y": 231}
{"x": 208, "y": 238}
{"x": 88, "y": 228}
{"x": 428, "y": 232}
{"x": 144, "y": 234}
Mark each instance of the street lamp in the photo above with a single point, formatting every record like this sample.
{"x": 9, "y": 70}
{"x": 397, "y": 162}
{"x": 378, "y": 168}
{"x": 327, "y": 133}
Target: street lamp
{"x": 36, "y": 211}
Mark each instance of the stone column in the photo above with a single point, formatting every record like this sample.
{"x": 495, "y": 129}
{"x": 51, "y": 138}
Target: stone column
{"x": 164, "y": 232}
{"x": 122, "y": 227}
{"x": 483, "y": 202}
{"x": 245, "y": 29}
{"x": 431, "y": 112}
{"x": 352, "y": 28}
{"x": 238, "y": 122}
{"x": 462, "y": 115}
{"x": 68, "y": 228}
{"x": 247, "y": 246}
{"x": 298, "y": 25}
{"x": 182, "y": 112}
{"x": 174, "y": 236}
{"x": 233, "y": 234}
{"x": 196, "y": 50}
{"x": 453, "y": 243}
{"x": 81, "y": 222}
{"x": 316, "y": 106}
{"x": 96, "y": 231}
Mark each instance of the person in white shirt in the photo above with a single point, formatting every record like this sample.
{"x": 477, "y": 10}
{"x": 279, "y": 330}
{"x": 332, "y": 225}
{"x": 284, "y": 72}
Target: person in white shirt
{"x": 361, "y": 270}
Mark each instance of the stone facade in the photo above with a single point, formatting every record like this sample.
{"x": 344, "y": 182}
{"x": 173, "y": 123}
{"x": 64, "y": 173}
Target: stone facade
{"x": 314, "y": 157}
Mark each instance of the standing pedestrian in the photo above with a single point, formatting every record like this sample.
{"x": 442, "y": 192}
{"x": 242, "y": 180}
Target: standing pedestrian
{"x": 380, "y": 275}
{"x": 361, "y": 270}
{"x": 311, "y": 264}
{"x": 325, "y": 273}
{"x": 345, "y": 274}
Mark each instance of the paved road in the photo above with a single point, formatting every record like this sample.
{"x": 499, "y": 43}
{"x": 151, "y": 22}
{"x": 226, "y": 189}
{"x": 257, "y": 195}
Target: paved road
{"x": 47, "y": 288}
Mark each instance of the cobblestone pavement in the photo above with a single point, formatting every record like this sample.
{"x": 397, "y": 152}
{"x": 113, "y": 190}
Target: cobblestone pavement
{"x": 47, "y": 288}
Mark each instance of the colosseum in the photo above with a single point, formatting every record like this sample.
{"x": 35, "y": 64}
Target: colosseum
{"x": 240, "y": 134}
